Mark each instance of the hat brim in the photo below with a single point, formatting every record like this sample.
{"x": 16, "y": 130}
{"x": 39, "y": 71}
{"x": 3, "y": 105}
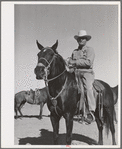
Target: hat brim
{"x": 88, "y": 37}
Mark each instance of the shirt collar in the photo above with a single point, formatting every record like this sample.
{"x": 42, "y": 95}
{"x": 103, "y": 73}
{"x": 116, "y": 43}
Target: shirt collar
{"x": 82, "y": 48}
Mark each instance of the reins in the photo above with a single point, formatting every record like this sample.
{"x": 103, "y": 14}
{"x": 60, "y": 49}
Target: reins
{"x": 48, "y": 80}
{"x": 58, "y": 93}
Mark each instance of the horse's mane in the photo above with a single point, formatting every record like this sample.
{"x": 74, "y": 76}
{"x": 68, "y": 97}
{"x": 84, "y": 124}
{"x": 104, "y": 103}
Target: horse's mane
{"x": 60, "y": 60}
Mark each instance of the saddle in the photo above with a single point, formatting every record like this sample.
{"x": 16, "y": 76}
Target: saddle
{"x": 98, "y": 91}
{"x": 98, "y": 86}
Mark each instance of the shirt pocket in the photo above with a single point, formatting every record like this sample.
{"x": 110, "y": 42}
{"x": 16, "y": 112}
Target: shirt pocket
{"x": 74, "y": 55}
{"x": 84, "y": 54}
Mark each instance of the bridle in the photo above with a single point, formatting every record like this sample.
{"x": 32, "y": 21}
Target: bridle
{"x": 53, "y": 99}
{"x": 46, "y": 72}
{"x": 46, "y": 68}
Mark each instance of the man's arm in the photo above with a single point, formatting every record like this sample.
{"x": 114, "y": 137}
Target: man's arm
{"x": 84, "y": 62}
{"x": 87, "y": 59}
{"x": 71, "y": 61}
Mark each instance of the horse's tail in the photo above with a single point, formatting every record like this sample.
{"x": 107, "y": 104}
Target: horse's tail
{"x": 109, "y": 114}
{"x": 115, "y": 97}
{"x": 115, "y": 93}
{"x": 106, "y": 121}
{"x": 103, "y": 113}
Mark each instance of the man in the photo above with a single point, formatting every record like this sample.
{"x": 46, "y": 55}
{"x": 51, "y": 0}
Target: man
{"x": 82, "y": 62}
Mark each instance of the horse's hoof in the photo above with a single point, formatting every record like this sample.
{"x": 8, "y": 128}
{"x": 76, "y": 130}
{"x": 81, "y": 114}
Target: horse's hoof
{"x": 100, "y": 143}
{"x": 114, "y": 143}
{"x": 40, "y": 118}
{"x": 15, "y": 117}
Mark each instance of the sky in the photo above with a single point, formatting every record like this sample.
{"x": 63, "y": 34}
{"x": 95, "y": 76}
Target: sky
{"x": 48, "y": 22}
{"x": 23, "y": 24}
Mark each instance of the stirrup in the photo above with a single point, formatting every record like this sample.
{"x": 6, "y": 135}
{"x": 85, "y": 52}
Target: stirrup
{"x": 87, "y": 121}
{"x": 92, "y": 116}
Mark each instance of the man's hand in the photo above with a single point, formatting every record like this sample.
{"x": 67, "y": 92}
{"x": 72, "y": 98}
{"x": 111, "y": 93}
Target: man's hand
{"x": 72, "y": 62}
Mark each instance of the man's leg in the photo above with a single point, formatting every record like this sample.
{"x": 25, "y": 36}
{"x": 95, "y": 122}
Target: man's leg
{"x": 88, "y": 80}
{"x": 81, "y": 104}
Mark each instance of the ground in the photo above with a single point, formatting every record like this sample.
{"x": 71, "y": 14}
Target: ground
{"x": 29, "y": 130}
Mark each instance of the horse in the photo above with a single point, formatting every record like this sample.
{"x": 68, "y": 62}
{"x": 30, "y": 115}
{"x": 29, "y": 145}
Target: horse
{"x": 20, "y": 99}
{"x": 41, "y": 97}
{"x": 37, "y": 97}
{"x": 63, "y": 91}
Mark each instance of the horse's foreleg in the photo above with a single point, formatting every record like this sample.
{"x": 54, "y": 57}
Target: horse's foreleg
{"x": 20, "y": 107}
{"x": 41, "y": 107}
{"x": 55, "y": 124}
{"x": 100, "y": 128}
{"x": 69, "y": 126}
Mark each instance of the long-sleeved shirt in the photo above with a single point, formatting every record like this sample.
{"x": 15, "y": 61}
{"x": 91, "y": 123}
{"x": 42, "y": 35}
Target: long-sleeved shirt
{"x": 84, "y": 58}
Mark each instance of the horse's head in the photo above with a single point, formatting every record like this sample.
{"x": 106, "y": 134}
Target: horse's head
{"x": 45, "y": 59}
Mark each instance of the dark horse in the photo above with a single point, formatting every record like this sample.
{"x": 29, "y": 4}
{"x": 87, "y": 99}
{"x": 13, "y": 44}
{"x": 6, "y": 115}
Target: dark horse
{"x": 62, "y": 88}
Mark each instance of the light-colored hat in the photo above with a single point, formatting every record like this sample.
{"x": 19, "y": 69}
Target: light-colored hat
{"x": 82, "y": 33}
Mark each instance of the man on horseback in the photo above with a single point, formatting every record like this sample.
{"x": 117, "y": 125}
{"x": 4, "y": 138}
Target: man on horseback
{"x": 81, "y": 62}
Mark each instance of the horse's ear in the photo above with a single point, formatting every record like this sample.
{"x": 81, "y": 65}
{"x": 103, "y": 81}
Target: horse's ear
{"x": 54, "y": 47}
{"x": 31, "y": 90}
{"x": 28, "y": 92}
{"x": 39, "y": 45}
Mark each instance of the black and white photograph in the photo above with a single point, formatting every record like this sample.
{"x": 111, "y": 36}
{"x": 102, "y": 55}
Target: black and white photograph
{"x": 60, "y": 76}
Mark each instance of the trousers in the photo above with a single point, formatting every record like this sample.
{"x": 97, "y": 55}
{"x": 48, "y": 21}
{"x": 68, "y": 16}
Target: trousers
{"x": 85, "y": 84}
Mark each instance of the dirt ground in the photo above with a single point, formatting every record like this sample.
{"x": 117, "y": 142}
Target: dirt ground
{"x": 29, "y": 130}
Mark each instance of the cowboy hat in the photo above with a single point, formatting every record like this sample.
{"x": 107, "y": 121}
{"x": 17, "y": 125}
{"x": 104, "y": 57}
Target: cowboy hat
{"x": 82, "y": 33}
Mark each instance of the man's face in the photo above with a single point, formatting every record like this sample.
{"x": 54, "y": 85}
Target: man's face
{"x": 82, "y": 41}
